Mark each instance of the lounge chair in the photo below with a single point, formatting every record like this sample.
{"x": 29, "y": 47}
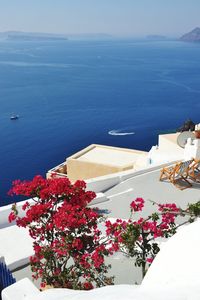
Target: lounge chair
{"x": 194, "y": 171}
{"x": 176, "y": 173}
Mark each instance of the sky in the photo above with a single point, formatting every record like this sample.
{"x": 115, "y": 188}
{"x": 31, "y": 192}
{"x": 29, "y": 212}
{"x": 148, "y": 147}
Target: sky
{"x": 116, "y": 17}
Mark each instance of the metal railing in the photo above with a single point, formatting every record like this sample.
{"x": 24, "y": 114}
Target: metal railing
{"x": 6, "y": 277}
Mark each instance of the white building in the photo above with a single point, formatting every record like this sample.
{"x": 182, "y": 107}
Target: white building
{"x": 115, "y": 191}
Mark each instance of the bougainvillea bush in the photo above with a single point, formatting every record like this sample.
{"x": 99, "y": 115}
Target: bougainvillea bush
{"x": 69, "y": 248}
{"x": 139, "y": 238}
{"x": 68, "y": 251}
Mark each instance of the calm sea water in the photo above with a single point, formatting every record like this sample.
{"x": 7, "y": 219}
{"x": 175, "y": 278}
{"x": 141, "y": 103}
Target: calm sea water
{"x": 71, "y": 94}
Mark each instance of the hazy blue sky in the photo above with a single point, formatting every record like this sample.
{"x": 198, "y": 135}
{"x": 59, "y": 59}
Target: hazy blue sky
{"x": 119, "y": 17}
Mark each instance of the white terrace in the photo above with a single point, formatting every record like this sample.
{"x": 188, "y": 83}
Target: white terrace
{"x": 114, "y": 195}
{"x": 146, "y": 184}
{"x": 133, "y": 174}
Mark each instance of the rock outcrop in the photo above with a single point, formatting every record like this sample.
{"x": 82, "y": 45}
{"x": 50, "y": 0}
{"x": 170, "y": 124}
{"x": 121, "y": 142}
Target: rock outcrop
{"x": 192, "y": 36}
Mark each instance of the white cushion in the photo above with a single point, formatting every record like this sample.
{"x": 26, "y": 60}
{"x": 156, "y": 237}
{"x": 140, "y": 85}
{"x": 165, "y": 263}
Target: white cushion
{"x": 21, "y": 290}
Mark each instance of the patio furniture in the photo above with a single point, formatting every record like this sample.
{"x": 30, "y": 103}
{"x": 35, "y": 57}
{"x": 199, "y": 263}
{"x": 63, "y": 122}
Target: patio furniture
{"x": 194, "y": 171}
{"x": 177, "y": 174}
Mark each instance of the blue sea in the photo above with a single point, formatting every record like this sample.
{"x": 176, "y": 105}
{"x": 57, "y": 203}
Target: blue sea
{"x": 70, "y": 94}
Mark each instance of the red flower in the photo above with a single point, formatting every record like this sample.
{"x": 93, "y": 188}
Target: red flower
{"x": 12, "y": 217}
{"x": 42, "y": 285}
{"x": 137, "y": 204}
{"x": 77, "y": 244}
{"x": 88, "y": 285}
{"x": 149, "y": 260}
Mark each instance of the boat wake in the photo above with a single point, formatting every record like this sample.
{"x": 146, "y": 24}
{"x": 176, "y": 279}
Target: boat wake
{"x": 123, "y": 131}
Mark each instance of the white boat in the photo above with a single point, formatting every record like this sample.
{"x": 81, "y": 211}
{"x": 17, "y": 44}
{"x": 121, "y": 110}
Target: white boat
{"x": 14, "y": 117}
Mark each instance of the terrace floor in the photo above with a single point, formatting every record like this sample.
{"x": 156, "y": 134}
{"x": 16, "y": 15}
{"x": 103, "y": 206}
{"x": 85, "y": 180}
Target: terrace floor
{"x": 148, "y": 187}
{"x": 119, "y": 197}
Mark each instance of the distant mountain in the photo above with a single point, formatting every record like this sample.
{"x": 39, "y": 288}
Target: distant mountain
{"x": 156, "y": 37}
{"x": 31, "y": 36}
{"x": 192, "y": 36}
{"x": 34, "y": 36}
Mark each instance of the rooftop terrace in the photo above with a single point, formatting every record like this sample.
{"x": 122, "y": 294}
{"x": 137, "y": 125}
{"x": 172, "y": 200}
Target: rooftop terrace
{"x": 98, "y": 160}
{"x": 118, "y": 157}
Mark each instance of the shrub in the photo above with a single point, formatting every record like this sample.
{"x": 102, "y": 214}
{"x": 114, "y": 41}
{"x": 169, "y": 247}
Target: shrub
{"x": 67, "y": 247}
{"x": 139, "y": 238}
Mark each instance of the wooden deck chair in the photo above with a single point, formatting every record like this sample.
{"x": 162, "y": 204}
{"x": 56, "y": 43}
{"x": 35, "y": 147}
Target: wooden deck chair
{"x": 178, "y": 172}
{"x": 194, "y": 171}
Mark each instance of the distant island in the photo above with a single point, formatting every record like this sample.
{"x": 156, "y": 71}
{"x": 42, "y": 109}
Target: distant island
{"x": 192, "y": 36}
{"x": 31, "y": 36}
{"x": 34, "y": 36}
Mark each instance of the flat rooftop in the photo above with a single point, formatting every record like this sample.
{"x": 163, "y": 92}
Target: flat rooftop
{"x": 172, "y": 137}
{"x": 99, "y": 160}
{"x": 108, "y": 155}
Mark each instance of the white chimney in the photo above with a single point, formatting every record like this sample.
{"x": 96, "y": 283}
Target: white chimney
{"x": 192, "y": 149}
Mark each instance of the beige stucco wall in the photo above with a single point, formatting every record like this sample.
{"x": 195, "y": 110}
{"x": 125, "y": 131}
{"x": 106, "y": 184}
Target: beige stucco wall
{"x": 97, "y": 160}
{"x": 85, "y": 170}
